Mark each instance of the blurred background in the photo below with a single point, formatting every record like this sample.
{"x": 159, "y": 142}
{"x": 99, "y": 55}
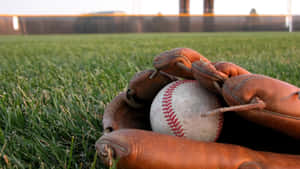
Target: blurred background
{"x": 137, "y": 16}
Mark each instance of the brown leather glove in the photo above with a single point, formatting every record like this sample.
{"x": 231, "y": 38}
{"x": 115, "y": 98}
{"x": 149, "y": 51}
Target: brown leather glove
{"x": 138, "y": 149}
{"x": 131, "y": 110}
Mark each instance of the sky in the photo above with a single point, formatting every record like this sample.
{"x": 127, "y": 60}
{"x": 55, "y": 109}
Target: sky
{"x": 143, "y": 6}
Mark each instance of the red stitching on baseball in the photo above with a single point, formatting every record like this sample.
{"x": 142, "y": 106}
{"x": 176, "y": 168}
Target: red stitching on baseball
{"x": 167, "y": 108}
{"x": 171, "y": 117}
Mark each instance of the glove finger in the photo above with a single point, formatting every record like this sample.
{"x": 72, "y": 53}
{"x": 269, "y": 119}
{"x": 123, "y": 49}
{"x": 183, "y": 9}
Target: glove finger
{"x": 213, "y": 75}
{"x": 118, "y": 114}
{"x": 207, "y": 75}
{"x": 230, "y": 69}
{"x": 178, "y": 62}
{"x": 142, "y": 89}
{"x": 143, "y": 149}
{"x": 282, "y": 104}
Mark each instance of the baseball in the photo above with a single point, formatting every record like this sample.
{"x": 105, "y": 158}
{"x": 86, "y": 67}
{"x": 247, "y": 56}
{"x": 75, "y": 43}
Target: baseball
{"x": 177, "y": 108}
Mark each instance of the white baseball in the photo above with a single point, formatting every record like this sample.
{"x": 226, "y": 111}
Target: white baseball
{"x": 177, "y": 108}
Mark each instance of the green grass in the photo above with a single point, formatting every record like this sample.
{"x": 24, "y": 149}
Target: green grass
{"x": 53, "y": 89}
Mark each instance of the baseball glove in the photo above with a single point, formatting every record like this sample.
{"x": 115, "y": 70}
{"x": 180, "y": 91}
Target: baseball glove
{"x": 126, "y": 119}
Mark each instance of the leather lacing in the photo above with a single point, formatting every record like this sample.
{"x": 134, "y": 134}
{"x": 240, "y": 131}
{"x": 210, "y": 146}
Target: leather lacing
{"x": 241, "y": 102}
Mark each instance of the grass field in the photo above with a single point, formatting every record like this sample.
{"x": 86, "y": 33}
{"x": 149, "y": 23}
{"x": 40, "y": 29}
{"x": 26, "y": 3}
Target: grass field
{"x": 53, "y": 89}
